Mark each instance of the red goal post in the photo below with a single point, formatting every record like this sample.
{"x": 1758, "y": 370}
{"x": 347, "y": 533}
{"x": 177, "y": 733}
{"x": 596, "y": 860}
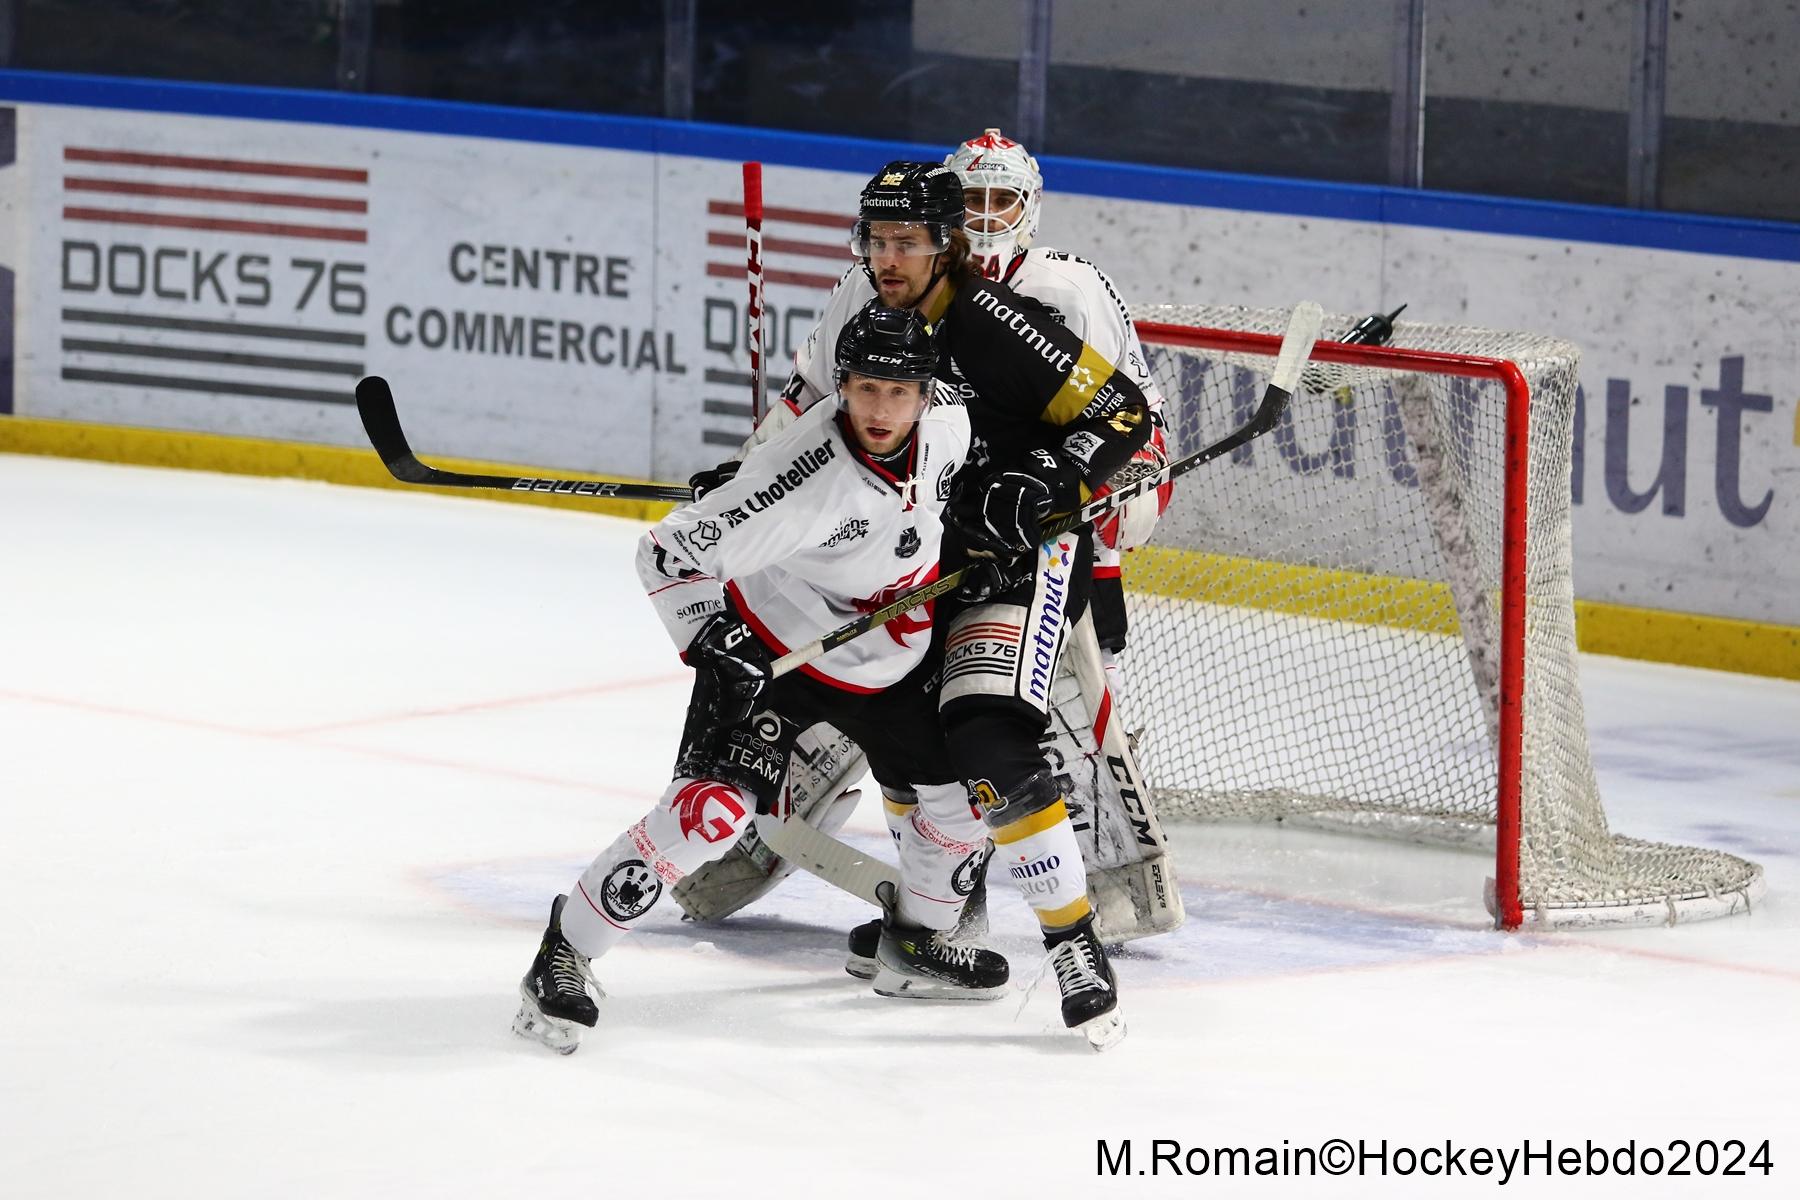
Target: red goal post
{"x": 1365, "y": 621}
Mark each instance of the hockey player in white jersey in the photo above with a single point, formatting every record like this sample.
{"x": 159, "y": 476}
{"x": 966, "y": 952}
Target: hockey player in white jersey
{"x": 838, "y": 513}
{"x": 1003, "y": 197}
{"x": 1002, "y": 193}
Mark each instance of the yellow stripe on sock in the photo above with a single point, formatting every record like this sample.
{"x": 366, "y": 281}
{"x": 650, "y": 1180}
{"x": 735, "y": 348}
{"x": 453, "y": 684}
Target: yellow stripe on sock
{"x": 1053, "y": 919}
{"x": 1037, "y": 822}
{"x": 896, "y": 808}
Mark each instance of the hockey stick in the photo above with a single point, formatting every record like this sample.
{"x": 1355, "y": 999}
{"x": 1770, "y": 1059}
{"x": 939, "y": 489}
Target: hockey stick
{"x": 820, "y": 854}
{"x": 1296, "y": 348}
{"x": 375, "y": 404}
{"x": 753, "y": 271}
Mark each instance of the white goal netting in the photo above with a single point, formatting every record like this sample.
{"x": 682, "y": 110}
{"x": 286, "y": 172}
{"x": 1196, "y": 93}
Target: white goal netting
{"x": 1317, "y": 624}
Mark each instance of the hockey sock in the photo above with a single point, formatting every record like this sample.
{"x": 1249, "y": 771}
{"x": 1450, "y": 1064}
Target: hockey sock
{"x": 1041, "y": 854}
{"x": 941, "y": 841}
{"x": 696, "y": 821}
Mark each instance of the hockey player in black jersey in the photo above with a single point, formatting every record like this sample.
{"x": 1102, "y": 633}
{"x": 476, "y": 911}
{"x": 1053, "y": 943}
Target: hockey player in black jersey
{"x": 1052, "y": 420}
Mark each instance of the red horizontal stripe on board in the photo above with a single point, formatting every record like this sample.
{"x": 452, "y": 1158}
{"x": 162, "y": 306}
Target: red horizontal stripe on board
{"x": 800, "y": 216}
{"x": 797, "y": 278}
{"x": 187, "y": 162}
{"x": 127, "y": 187}
{"x": 781, "y": 245}
{"x": 171, "y": 221}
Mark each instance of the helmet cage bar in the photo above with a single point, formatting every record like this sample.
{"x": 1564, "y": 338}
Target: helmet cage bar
{"x": 992, "y": 211}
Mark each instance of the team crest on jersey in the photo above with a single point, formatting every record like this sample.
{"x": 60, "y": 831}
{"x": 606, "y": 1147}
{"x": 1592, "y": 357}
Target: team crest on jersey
{"x": 701, "y": 537}
{"x": 909, "y": 543}
{"x": 943, "y": 481}
{"x": 710, "y": 809}
{"x": 630, "y": 890}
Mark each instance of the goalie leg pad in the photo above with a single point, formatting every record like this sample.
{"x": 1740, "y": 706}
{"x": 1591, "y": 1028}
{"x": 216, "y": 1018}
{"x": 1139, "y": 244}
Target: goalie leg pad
{"x": 1130, "y": 877}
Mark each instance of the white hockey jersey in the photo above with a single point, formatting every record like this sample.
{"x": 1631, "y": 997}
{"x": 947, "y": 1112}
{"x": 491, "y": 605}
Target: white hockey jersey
{"x": 1076, "y": 292}
{"x": 811, "y": 534}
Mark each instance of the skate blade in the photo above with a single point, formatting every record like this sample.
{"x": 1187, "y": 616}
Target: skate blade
{"x": 1104, "y": 1031}
{"x": 564, "y": 1037}
{"x": 858, "y": 967}
{"x": 922, "y": 987}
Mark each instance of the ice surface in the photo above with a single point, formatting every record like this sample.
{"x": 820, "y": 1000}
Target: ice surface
{"x": 289, "y": 772}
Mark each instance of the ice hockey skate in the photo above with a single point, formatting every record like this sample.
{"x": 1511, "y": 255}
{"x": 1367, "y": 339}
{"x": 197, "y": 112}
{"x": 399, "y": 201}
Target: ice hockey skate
{"x": 1090, "y": 995}
{"x": 915, "y": 963}
{"x": 556, "y": 1002}
{"x": 864, "y": 939}
{"x": 971, "y": 927}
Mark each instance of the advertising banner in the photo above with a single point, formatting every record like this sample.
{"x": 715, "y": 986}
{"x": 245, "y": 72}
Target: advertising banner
{"x": 584, "y": 307}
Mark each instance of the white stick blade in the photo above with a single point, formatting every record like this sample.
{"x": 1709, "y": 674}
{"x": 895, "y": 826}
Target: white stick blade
{"x": 1296, "y": 345}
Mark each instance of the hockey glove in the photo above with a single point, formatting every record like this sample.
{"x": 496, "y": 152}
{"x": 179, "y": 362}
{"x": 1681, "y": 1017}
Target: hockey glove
{"x": 714, "y": 478}
{"x": 986, "y": 578}
{"x": 1130, "y": 524}
{"x": 1004, "y": 517}
{"x": 735, "y": 662}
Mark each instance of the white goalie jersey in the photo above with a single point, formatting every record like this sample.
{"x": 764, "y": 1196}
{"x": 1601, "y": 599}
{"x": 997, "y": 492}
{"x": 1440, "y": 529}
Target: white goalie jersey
{"x": 1074, "y": 290}
{"x": 811, "y": 534}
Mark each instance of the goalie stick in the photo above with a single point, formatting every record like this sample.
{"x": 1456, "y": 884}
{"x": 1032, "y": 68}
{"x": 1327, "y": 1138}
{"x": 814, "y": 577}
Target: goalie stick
{"x": 818, "y": 853}
{"x": 1296, "y": 348}
{"x": 375, "y": 405}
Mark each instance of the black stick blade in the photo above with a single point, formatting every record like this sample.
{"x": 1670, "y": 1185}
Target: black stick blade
{"x": 375, "y": 405}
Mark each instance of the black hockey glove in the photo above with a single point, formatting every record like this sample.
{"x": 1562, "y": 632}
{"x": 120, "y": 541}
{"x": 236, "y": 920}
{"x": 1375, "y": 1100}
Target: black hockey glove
{"x": 1004, "y": 516}
{"x": 714, "y": 478}
{"x": 736, "y": 664}
{"x": 986, "y": 578}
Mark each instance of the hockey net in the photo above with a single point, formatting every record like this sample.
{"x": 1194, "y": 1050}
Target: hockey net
{"x": 1365, "y": 619}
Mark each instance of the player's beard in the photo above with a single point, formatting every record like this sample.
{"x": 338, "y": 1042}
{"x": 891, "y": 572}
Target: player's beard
{"x": 910, "y": 292}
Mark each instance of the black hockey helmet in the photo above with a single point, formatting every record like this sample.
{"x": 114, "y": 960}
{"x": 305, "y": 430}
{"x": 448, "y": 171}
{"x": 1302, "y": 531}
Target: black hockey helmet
{"x": 920, "y": 193}
{"x": 886, "y": 343}
{"x": 928, "y": 193}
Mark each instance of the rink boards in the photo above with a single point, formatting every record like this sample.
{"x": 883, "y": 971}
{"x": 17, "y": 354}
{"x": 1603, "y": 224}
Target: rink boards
{"x": 566, "y": 291}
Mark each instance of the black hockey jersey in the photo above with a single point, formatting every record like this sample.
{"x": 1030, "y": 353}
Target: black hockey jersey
{"x": 1032, "y": 384}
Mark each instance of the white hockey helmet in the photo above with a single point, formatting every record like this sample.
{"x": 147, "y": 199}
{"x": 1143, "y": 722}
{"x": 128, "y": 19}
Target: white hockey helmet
{"x": 1002, "y": 189}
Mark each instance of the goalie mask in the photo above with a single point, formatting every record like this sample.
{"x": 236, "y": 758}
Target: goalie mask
{"x": 1002, "y": 189}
